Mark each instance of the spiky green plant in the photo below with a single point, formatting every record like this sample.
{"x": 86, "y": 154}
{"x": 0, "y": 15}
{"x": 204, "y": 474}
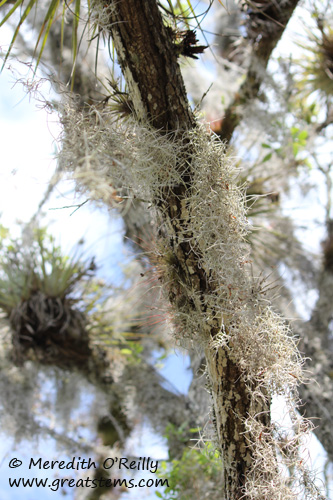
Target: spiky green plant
{"x": 42, "y": 292}
{"x": 317, "y": 68}
{"x": 52, "y": 13}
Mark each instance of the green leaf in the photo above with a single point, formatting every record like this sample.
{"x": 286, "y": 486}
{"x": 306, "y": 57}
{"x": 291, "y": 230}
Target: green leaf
{"x": 294, "y": 131}
{"x": 48, "y": 20}
{"x": 3, "y": 232}
{"x": 76, "y": 20}
{"x": 126, "y": 351}
{"x": 303, "y": 135}
{"x": 295, "y": 149}
{"x": 264, "y": 145}
{"x": 267, "y": 157}
{"x": 22, "y": 19}
{"x": 307, "y": 162}
{"x": 12, "y": 10}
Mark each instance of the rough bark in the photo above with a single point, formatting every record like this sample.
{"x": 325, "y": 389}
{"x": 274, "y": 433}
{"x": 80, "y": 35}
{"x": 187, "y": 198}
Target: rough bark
{"x": 149, "y": 64}
{"x": 232, "y": 404}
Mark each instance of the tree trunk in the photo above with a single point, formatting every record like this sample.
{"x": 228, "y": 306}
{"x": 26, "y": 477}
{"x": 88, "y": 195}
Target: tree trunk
{"x": 148, "y": 61}
{"x": 232, "y": 405}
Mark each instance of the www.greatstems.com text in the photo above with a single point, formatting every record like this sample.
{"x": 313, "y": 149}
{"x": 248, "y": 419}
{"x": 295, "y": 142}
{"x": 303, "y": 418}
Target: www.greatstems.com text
{"x": 55, "y": 484}
{"x": 117, "y": 463}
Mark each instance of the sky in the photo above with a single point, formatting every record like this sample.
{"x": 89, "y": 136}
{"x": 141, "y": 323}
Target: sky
{"x": 29, "y": 141}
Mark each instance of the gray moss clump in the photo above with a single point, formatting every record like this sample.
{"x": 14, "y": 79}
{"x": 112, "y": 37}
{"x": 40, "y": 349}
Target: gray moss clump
{"x": 121, "y": 161}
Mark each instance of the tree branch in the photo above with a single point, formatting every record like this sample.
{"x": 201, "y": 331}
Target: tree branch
{"x": 149, "y": 63}
{"x": 273, "y": 18}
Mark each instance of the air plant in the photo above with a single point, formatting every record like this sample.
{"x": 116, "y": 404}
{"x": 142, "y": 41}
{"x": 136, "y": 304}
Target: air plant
{"x": 42, "y": 293}
{"x": 317, "y": 69}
